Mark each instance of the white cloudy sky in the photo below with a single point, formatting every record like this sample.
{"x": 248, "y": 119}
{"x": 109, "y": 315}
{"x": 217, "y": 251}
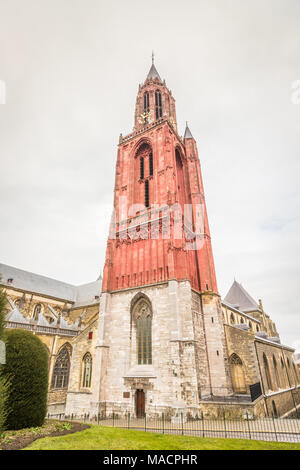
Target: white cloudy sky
{"x": 72, "y": 68}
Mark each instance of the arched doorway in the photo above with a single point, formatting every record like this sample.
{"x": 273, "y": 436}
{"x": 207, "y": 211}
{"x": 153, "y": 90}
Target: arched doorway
{"x": 140, "y": 403}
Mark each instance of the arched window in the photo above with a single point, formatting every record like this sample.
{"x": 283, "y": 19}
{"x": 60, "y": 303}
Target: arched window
{"x": 276, "y": 375}
{"x": 237, "y": 374}
{"x": 250, "y": 325}
{"x": 267, "y": 372}
{"x": 142, "y": 168}
{"x": 18, "y": 303}
{"x": 158, "y": 105}
{"x": 37, "y": 310}
{"x": 232, "y": 321}
{"x": 87, "y": 370}
{"x": 146, "y": 102}
{"x": 242, "y": 320}
{"x": 61, "y": 369}
{"x": 143, "y": 320}
{"x": 257, "y": 328}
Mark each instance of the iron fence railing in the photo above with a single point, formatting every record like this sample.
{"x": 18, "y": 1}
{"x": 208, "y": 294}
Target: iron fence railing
{"x": 266, "y": 429}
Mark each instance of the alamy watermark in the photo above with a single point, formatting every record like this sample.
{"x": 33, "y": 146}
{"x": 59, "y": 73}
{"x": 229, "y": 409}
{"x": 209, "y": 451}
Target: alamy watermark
{"x": 295, "y": 96}
{"x": 167, "y": 222}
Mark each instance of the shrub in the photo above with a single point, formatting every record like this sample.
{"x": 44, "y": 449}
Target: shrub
{"x": 27, "y": 370}
{"x": 4, "y": 382}
{"x": 4, "y": 398}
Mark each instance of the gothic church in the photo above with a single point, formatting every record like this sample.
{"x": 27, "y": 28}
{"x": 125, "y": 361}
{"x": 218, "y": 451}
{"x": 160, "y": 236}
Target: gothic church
{"x": 154, "y": 335}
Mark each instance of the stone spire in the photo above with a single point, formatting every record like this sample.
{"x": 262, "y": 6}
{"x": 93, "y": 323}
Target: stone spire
{"x": 153, "y": 73}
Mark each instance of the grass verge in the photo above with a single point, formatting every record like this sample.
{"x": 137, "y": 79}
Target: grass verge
{"x": 107, "y": 438}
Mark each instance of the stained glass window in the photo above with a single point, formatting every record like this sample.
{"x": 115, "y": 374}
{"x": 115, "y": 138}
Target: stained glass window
{"x": 144, "y": 334}
{"x": 61, "y": 370}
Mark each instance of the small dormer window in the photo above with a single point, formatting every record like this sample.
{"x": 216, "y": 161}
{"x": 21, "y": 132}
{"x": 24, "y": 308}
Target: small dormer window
{"x": 37, "y": 310}
{"x": 10, "y": 280}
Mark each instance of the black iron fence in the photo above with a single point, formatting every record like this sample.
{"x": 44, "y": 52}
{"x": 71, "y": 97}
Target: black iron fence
{"x": 266, "y": 429}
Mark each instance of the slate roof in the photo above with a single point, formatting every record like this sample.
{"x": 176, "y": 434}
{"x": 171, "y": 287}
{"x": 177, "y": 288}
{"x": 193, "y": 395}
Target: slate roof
{"x": 30, "y": 282}
{"x": 153, "y": 73}
{"x": 238, "y": 297}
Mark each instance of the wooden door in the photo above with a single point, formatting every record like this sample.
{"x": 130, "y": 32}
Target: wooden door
{"x": 140, "y": 403}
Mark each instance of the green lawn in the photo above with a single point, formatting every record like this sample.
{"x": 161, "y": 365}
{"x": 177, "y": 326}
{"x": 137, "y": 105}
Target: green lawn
{"x": 107, "y": 438}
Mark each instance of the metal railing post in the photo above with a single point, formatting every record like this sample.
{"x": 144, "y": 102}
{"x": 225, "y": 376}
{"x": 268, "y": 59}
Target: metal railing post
{"x": 224, "y": 418}
{"x": 145, "y": 423}
{"x": 129, "y": 420}
{"x": 113, "y": 415}
{"x": 248, "y": 424}
{"x": 163, "y": 422}
{"x": 182, "y": 429}
{"x": 203, "y": 430}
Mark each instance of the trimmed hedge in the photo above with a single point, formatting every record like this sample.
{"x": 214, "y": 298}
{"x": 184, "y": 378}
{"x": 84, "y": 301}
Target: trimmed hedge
{"x": 27, "y": 369}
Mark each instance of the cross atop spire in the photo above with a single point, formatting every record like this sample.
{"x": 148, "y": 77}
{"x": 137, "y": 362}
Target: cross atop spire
{"x": 152, "y": 57}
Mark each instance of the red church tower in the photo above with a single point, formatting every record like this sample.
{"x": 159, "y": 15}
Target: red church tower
{"x": 160, "y": 341}
{"x": 158, "y": 172}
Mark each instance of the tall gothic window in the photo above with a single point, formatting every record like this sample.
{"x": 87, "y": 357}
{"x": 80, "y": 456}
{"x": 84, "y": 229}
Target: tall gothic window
{"x": 158, "y": 106}
{"x": 87, "y": 370}
{"x": 146, "y": 102}
{"x": 143, "y": 318}
{"x": 61, "y": 369}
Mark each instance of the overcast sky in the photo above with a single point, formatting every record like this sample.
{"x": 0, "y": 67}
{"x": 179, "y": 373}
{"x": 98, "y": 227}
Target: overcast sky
{"x": 72, "y": 69}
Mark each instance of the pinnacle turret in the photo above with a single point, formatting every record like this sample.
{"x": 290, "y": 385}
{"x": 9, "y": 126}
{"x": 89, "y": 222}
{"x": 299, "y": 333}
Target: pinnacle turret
{"x": 187, "y": 133}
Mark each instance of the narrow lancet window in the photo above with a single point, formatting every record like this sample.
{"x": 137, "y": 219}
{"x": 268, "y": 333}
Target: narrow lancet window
{"x": 147, "y": 193}
{"x": 150, "y": 164}
{"x": 146, "y": 102}
{"x": 142, "y": 168}
{"x": 158, "y": 106}
{"x": 87, "y": 370}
